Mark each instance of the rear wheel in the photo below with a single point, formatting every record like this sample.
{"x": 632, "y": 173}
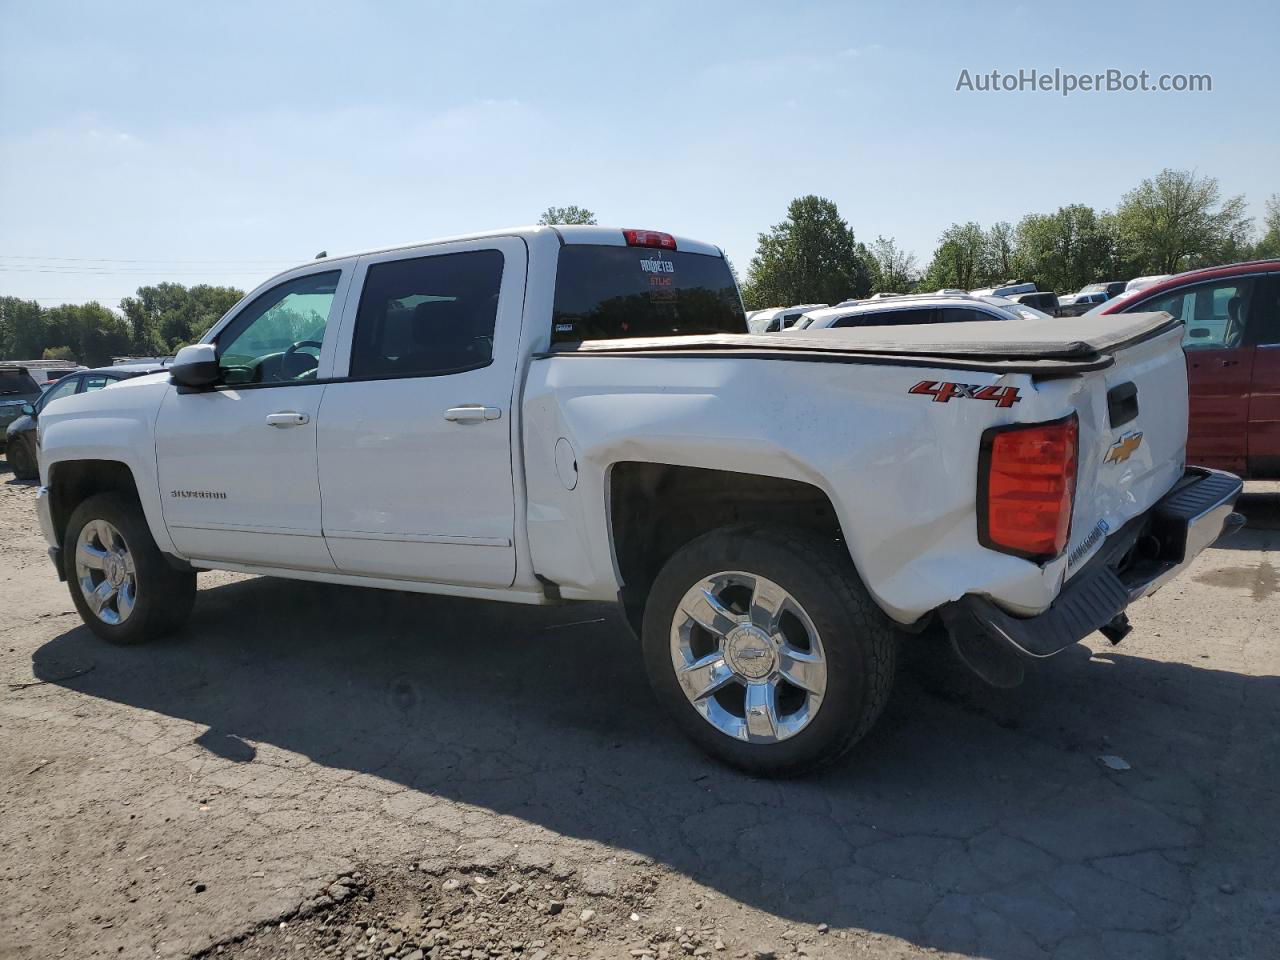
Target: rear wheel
{"x": 21, "y": 461}
{"x": 122, "y": 586}
{"x": 766, "y": 649}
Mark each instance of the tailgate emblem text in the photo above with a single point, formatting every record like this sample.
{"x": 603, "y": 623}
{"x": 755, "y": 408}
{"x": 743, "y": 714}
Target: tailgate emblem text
{"x": 943, "y": 392}
{"x": 1124, "y": 448}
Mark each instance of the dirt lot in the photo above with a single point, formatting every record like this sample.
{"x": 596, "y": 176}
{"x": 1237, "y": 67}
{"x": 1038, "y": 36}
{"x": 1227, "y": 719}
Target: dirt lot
{"x": 321, "y": 771}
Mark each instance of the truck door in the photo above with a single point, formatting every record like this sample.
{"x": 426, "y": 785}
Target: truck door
{"x": 415, "y": 443}
{"x": 1215, "y": 317}
{"x": 1264, "y": 401}
{"x": 237, "y": 464}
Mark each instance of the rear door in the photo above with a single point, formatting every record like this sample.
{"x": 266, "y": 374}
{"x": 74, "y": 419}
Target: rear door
{"x": 1215, "y": 317}
{"x": 1264, "y": 400}
{"x": 414, "y": 444}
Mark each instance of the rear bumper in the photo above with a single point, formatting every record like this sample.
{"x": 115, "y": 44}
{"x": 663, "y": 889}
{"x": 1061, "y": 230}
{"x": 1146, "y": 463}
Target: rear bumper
{"x": 1134, "y": 562}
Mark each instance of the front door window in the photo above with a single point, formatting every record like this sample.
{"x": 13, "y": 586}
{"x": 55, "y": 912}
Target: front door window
{"x": 277, "y": 338}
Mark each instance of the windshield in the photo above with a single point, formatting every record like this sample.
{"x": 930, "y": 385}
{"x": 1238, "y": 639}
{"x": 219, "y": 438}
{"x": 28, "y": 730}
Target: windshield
{"x": 605, "y": 292}
{"x": 17, "y": 382}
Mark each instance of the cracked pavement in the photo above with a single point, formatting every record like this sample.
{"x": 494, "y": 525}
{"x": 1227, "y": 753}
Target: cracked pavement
{"x": 163, "y": 800}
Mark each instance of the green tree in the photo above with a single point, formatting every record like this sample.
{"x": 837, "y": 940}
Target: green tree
{"x": 810, "y": 257}
{"x": 1066, "y": 249}
{"x": 92, "y": 332}
{"x": 894, "y": 270}
{"x": 1269, "y": 245}
{"x": 22, "y": 329}
{"x": 58, "y": 353}
{"x": 169, "y": 315}
{"x": 1179, "y": 219}
{"x": 998, "y": 252}
{"x": 570, "y": 214}
{"x": 960, "y": 260}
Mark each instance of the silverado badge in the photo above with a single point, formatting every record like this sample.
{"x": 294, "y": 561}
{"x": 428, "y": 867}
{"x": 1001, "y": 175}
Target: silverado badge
{"x": 1124, "y": 448}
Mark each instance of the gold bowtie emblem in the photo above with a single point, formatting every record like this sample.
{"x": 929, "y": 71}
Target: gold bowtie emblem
{"x": 1124, "y": 448}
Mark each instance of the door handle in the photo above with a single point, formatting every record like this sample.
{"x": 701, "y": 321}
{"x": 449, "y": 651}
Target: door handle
{"x": 287, "y": 418}
{"x": 472, "y": 413}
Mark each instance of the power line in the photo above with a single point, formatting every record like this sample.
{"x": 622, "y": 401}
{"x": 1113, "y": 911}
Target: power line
{"x": 15, "y": 256}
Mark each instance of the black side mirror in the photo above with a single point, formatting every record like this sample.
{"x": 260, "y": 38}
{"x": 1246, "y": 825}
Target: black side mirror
{"x": 29, "y": 410}
{"x": 196, "y": 367}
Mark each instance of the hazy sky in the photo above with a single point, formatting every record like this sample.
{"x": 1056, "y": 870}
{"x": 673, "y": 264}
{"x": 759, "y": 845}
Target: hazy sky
{"x": 219, "y": 142}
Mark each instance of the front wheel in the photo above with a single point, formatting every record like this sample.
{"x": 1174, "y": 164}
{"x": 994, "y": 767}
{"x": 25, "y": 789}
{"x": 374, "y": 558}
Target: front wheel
{"x": 766, "y": 649}
{"x": 122, "y": 586}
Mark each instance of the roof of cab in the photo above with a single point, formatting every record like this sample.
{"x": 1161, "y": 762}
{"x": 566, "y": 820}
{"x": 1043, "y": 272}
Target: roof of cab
{"x": 566, "y": 234}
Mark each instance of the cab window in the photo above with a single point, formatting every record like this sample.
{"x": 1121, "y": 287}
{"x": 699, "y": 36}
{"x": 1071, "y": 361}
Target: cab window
{"x": 277, "y": 337}
{"x": 427, "y": 316}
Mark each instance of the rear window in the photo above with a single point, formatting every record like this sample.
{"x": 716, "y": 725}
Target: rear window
{"x": 604, "y": 293}
{"x": 17, "y": 381}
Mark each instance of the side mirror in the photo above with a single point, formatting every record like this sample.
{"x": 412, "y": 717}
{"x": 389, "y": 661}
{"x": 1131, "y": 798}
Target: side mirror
{"x": 196, "y": 366}
{"x": 29, "y": 410}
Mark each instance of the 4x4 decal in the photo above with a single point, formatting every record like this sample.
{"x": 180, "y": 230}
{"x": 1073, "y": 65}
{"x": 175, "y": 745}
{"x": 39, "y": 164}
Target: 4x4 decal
{"x": 942, "y": 392}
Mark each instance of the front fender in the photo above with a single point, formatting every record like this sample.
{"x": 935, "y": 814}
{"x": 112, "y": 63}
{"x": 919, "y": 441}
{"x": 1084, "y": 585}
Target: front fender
{"x": 117, "y": 425}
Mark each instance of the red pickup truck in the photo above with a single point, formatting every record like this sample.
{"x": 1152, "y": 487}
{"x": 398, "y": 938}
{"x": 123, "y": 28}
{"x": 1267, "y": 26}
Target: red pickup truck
{"x": 1231, "y": 319}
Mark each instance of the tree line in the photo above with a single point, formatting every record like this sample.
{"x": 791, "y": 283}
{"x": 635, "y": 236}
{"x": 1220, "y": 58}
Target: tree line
{"x": 156, "y": 321}
{"x": 1177, "y": 220}
{"x": 1174, "y": 221}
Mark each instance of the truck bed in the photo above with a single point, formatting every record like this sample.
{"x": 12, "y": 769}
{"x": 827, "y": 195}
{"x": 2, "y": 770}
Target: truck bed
{"x": 1041, "y": 347}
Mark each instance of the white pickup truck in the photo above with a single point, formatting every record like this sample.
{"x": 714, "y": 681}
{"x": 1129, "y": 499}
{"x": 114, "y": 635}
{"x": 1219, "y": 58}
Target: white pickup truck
{"x": 546, "y": 415}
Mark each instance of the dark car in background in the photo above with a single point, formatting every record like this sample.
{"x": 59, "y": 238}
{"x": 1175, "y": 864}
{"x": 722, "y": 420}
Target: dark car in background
{"x": 1046, "y": 301}
{"x": 20, "y": 429}
{"x": 1112, "y": 288}
{"x": 17, "y": 389}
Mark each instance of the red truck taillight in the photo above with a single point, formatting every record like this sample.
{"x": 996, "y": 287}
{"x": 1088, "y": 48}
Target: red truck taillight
{"x": 1026, "y": 487}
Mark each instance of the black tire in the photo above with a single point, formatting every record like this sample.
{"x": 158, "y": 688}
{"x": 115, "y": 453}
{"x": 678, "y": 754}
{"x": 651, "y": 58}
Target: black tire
{"x": 21, "y": 460}
{"x": 859, "y": 641}
{"x": 164, "y": 595}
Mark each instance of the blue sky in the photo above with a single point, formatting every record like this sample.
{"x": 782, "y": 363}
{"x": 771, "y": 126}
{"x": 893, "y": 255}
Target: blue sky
{"x": 220, "y": 142}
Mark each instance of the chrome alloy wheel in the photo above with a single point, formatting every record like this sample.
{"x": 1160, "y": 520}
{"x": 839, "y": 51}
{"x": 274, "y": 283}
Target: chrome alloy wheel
{"x": 748, "y": 657}
{"x": 105, "y": 571}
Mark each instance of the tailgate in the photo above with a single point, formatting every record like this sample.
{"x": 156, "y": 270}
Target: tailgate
{"x": 1133, "y": 436}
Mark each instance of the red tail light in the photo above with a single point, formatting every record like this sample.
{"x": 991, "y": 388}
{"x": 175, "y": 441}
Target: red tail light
{"x": 1026, "y": 488}
{"x": 649, "y": 238}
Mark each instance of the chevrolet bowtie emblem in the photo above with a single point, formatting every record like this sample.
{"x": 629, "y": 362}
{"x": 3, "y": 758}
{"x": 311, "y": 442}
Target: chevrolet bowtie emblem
{"x": 1123, "y": 448}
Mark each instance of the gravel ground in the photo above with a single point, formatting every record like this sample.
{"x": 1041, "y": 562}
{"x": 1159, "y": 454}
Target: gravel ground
{"x": 322, "y": 771}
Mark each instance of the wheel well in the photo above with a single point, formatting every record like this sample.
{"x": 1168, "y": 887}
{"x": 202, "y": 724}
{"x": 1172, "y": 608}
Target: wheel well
{"x": 71, "y": 482}
{"x": 656, "y": 508}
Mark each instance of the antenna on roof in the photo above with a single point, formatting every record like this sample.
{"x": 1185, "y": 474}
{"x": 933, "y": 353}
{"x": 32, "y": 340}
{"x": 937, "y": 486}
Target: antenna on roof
{"x": 322, "y": 254}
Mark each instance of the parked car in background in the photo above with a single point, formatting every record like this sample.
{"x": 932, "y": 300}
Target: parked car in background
{"x": 1046, "y": 301}
{"x": 904, "y": 310}
{"x": 1112, "y": 288}
{"x": 17, "y": 389}
{"x": 1141, "y": 283}
{"x": 21, "y": 448}
{"x": 1008, "y": 290}
{"x": 1231, "y": 336}
{"x": 1078, "y": 304}
{"x": 778, "y": 318}
{"x": 45, "y": 372}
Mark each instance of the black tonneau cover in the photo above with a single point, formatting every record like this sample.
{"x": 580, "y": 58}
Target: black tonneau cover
{"x": 1051, "y": 347}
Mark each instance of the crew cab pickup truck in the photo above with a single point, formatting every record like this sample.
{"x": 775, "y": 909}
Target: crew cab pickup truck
{"x": 548, "y": 415}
